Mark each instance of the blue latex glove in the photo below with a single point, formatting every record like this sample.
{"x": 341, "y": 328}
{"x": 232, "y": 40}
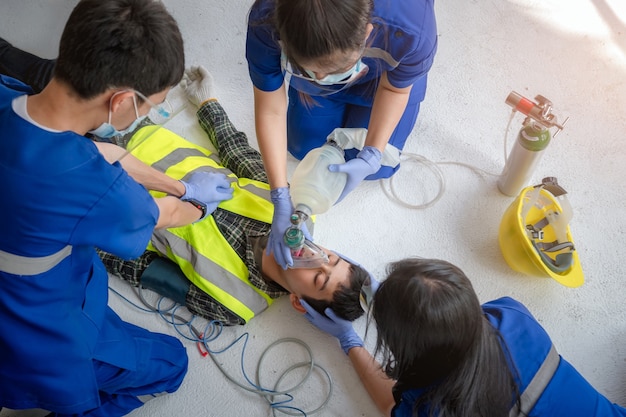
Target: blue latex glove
{"x": 367, "y": 162}
{"x": 333, "y": 325}
{"x": 208, "y": 189}
{"x": 281, "y": 221}
{"x": 283, "y": 208}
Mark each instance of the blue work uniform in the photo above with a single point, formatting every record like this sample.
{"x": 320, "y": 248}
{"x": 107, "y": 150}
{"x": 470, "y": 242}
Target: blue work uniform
{"x": 61, "y": 347}
{"x": 567, "y": 394}
{"x": 402, "y": 44}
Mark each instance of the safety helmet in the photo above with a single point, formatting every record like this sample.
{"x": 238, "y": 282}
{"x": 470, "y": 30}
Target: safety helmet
{"x": 535, "y": 237}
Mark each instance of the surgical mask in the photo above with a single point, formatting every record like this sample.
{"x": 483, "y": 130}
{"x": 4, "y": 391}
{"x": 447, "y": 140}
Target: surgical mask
{"x": 107, "y": 130}
{"x": 340, "y": 78}
{"x": 158, "y": 116}
{"x": 308, "y": 256}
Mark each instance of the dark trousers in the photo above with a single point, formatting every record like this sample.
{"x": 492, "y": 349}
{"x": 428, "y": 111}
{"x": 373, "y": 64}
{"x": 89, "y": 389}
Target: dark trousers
{"x": 26, "y": 67}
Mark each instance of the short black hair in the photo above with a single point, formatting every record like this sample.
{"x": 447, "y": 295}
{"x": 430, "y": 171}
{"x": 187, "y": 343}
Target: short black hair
{"x": 120, "y": 44}
{"x": 346, "y": 299}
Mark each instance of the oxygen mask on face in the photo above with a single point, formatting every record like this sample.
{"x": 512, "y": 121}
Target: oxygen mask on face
{"x": 308, "y": 256}
{"x": 305, "y": 254}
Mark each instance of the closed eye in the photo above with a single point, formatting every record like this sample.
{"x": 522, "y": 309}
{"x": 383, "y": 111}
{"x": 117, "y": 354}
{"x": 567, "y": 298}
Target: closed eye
{"x": 325, "y": 283}
{"x": 321, "y": 276}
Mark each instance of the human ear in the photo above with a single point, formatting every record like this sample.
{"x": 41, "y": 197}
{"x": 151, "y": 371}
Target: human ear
{"x": 295, "y": 303}
{"x": 119, "y": 97}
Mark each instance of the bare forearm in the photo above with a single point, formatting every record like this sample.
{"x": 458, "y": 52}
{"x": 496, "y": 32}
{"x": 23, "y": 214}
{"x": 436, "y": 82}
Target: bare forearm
{"x": 144, "y": 174}
{"x": 376, "y": 383}
{"x": 389, "y": 105}
{"x": 270, "y": 110}
{"x": 175, "y": 213}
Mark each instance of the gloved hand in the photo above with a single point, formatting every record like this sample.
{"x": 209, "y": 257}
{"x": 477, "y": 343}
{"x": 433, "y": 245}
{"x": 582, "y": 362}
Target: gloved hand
{"x": 333, "y": 325}
{"x": 208, "y": 189}
{"x": 197, "y": 83}
{"x": 367, "y": 162}
{"x": 283, "y": 208}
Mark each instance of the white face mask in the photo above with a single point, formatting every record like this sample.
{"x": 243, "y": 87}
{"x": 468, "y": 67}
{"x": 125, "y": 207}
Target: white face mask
{"x": 340, "y": 78}
{"x": 106, "y": 130}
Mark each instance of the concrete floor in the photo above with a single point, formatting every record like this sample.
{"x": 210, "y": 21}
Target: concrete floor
{"x": 573, "y": 53}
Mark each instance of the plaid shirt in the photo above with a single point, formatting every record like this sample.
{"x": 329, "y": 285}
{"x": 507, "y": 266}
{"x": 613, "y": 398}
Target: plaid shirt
{"x": 248, "y": 237}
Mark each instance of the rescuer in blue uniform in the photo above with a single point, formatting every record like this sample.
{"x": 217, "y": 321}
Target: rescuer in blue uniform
{"x": 442, "y": 352}
{"x": 350, "y": 63}
{"x": 61, "y": 347}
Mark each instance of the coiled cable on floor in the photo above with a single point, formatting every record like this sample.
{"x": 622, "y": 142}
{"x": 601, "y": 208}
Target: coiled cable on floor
{"x": 213, "y": 330}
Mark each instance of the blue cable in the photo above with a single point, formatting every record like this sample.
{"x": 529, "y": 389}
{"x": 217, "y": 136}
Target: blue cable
{"x": 213, "y": 331}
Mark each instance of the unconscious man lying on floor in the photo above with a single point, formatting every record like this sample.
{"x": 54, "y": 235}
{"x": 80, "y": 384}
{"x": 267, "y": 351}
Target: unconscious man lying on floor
{"x": 218, "y": 267}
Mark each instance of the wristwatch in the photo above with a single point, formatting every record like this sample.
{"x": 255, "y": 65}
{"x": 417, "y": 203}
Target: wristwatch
{"x": 200, "y": 206}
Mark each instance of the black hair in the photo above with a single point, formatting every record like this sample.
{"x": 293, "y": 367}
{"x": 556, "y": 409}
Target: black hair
{"x": 120, "y": 44}
{"x": 313, "y": 29}
{"x": 345, "y": 302}
{"x": 433, "y": 335}
{"x": 316, "y": 29}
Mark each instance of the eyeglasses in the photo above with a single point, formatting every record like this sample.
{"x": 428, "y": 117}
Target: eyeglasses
{"x": 321, "y": 87}
{"x": 355, "y": 73}
{"x": 159, "y": 113}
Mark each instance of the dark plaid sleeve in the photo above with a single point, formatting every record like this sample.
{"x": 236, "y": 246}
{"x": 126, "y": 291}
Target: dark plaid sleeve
{"x": 232, "y": 145}
{"x": 128, "y": 270}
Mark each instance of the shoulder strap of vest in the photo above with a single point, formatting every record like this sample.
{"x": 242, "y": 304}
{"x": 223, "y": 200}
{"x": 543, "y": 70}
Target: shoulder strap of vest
{"x": 533, "y": 391}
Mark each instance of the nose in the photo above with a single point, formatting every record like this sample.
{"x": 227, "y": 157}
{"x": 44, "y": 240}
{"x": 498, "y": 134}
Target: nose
{"x": 320, "y": 75}
{"x": 327, "y": 268}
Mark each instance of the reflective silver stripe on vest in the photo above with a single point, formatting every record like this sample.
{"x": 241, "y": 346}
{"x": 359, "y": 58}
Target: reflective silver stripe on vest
{"x": 179, "y": 155}
{"x": 24, "y": 265}
{"x": 145, "y": 398}
{"x": 535, "y": 388}
{"x": 259, "y": 192}
{"x": 205, "y": 267}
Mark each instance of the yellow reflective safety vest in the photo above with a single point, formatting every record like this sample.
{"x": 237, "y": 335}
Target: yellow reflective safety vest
{"x": 201, "y": 251}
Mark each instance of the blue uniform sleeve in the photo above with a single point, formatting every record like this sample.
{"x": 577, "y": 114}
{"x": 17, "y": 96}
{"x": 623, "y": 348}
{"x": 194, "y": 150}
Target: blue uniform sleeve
{"x": 15, "y": 85}
{"x": 262, "y": 49}
{"x": 495, "y": 307}
{"x": 414, "y": 66}
{"x": 411, "y": 30}
{"x": 123, "y": 219}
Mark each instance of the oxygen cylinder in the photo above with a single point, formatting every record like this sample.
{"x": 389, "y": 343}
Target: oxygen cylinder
{"x": 313, "y": 188}
{"x": 531, "y": 141}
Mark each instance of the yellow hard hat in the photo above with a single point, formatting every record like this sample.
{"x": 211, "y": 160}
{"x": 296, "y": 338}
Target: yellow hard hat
{"x": 535, "y": 237}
